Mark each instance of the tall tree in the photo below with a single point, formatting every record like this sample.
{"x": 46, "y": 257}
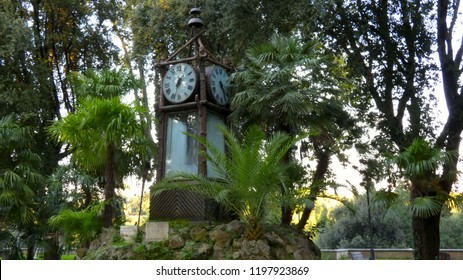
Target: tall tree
{"x": 19, "y": 181}
{"x": 99, "y": 133}
{"x": 104, "y": 134}
{"x": 450, "y": 57}
{"x": 42, "y": 42}
{"x": 389, "y": 44}
{"x": 287, "y": 85}
{"x": 420, "y": 164}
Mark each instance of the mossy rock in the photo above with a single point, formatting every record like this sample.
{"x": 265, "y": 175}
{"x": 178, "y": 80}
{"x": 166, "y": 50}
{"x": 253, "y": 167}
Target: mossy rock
{"x": 208, "y": 242}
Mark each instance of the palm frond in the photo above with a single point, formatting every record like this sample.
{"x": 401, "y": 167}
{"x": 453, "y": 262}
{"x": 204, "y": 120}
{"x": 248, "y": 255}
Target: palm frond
{"x": 96, "y": 123}
{"x": 251, "y": 174}
{"x": 84, "y": 223}
{"x": 420, "y": 159}
{"x": 282, "y": 81}
{"x": 425, "y": 206}
{"x": 384, "y": 199}
{"x": 7, "y": 198}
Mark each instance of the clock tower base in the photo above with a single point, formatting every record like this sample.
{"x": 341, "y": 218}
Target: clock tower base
{"x": 181, "y": 204}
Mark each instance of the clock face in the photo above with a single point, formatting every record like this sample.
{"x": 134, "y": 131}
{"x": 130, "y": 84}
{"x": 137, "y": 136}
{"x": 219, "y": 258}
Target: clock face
{"x": 219, "y": 85}
{"x": 179, "y": 83}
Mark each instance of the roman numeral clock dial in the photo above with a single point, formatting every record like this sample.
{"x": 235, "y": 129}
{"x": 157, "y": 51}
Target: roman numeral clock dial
{"x": 179, "y": 83}
{"x": 218, "y": 84}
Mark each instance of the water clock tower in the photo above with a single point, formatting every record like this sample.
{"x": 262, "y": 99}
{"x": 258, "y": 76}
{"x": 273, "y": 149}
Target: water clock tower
{"x": 194, "y": 99}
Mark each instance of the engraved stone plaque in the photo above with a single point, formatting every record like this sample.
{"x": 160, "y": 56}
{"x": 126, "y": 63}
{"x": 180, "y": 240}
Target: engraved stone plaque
{"x": 128, "y": 232}
{"x": 156, "y": 231}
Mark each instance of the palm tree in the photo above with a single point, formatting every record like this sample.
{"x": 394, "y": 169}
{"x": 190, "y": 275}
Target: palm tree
{"x": 281, "y": 84}
{"x": 249, "y": 176}
{"x": 104, "y": 84}
{"x": 17, "y": 169}
{"x": 287, "y": 85}
{"x": 19, "y": 179}
{"x": 420, "y": 164}
{"x": 101, "y": 133}
{"x": 111, "y": 83}
{"x": 80, "y": 227}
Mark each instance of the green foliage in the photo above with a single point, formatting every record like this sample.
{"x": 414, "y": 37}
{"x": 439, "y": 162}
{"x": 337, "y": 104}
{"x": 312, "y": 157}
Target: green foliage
{"x": 392, "y": 58}
{"x": 153, "y": 251}
{"x": 105, "y": 136}
{"x": 451, "y": 229}
{"x": 96, "y": 123}
{"x": 80, "y": 227}
{"x": 121, "y": 243}
{"x": 178, "y": 223}
{"x": 283, "y": 83}
{"x": 250, "y": 175}
{"x": 72, "y": 187}
{"x": 187, "y": 251}
{"x": 288, "y": 84}
{"x": 455, "y": 202}
{"x": 104, "y": 84}
{"x": 133, "y": 204}
{"x": 420, "y": 160}
{"x": 347, "y": 229}
{"x": 381, "y": 53}
{"x": 18, "y": 174}
{"x": 391, "y": 213}
{"x": 9, "y": 240}
{"x": 68, "y": 257}
{"x": 385, "y": 199}
{"x": 421, "y": 207}
{"x": 41, "y": 43}
{"x": 420, "y": 163}
{"x": 232, "y": 26}
{"x": 425, "y": 206}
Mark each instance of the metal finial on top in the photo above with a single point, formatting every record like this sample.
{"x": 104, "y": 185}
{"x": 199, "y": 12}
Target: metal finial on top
{"x": 195, "y": 21}
{"x": 195, "y": 11}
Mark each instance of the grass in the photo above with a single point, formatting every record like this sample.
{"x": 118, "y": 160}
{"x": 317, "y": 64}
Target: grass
{"x": 68, "y": 257}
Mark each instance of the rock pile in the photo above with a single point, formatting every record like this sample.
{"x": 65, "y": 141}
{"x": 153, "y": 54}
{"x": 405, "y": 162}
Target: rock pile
{"x": 214, "y": 242}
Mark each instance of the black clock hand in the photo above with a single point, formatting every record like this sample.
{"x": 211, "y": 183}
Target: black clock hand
{"x": 179, "y": 81}
{"x": 225, "y": 95}
{"x": 177, "y": 84}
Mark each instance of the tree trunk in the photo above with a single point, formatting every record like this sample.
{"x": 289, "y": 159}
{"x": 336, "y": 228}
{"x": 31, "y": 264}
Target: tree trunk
{"x": 30, "y": 251}
{"x": 323, "y": 155}
{"x": 286, "y": 214}
{"x": 110, "y": 186}
{"x": 426, "y": 237}
{"x": 286, "y": 210}
{"x": 426, "y": 231}
{"x": 52, "y": 250}
{"x": 145, "y": 168}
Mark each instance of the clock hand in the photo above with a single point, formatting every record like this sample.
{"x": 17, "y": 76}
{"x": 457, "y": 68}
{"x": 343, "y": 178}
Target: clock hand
{"x": 177, "y": 84}
{"x": 221, "y": 87}
{"x": 179, "y": 81}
